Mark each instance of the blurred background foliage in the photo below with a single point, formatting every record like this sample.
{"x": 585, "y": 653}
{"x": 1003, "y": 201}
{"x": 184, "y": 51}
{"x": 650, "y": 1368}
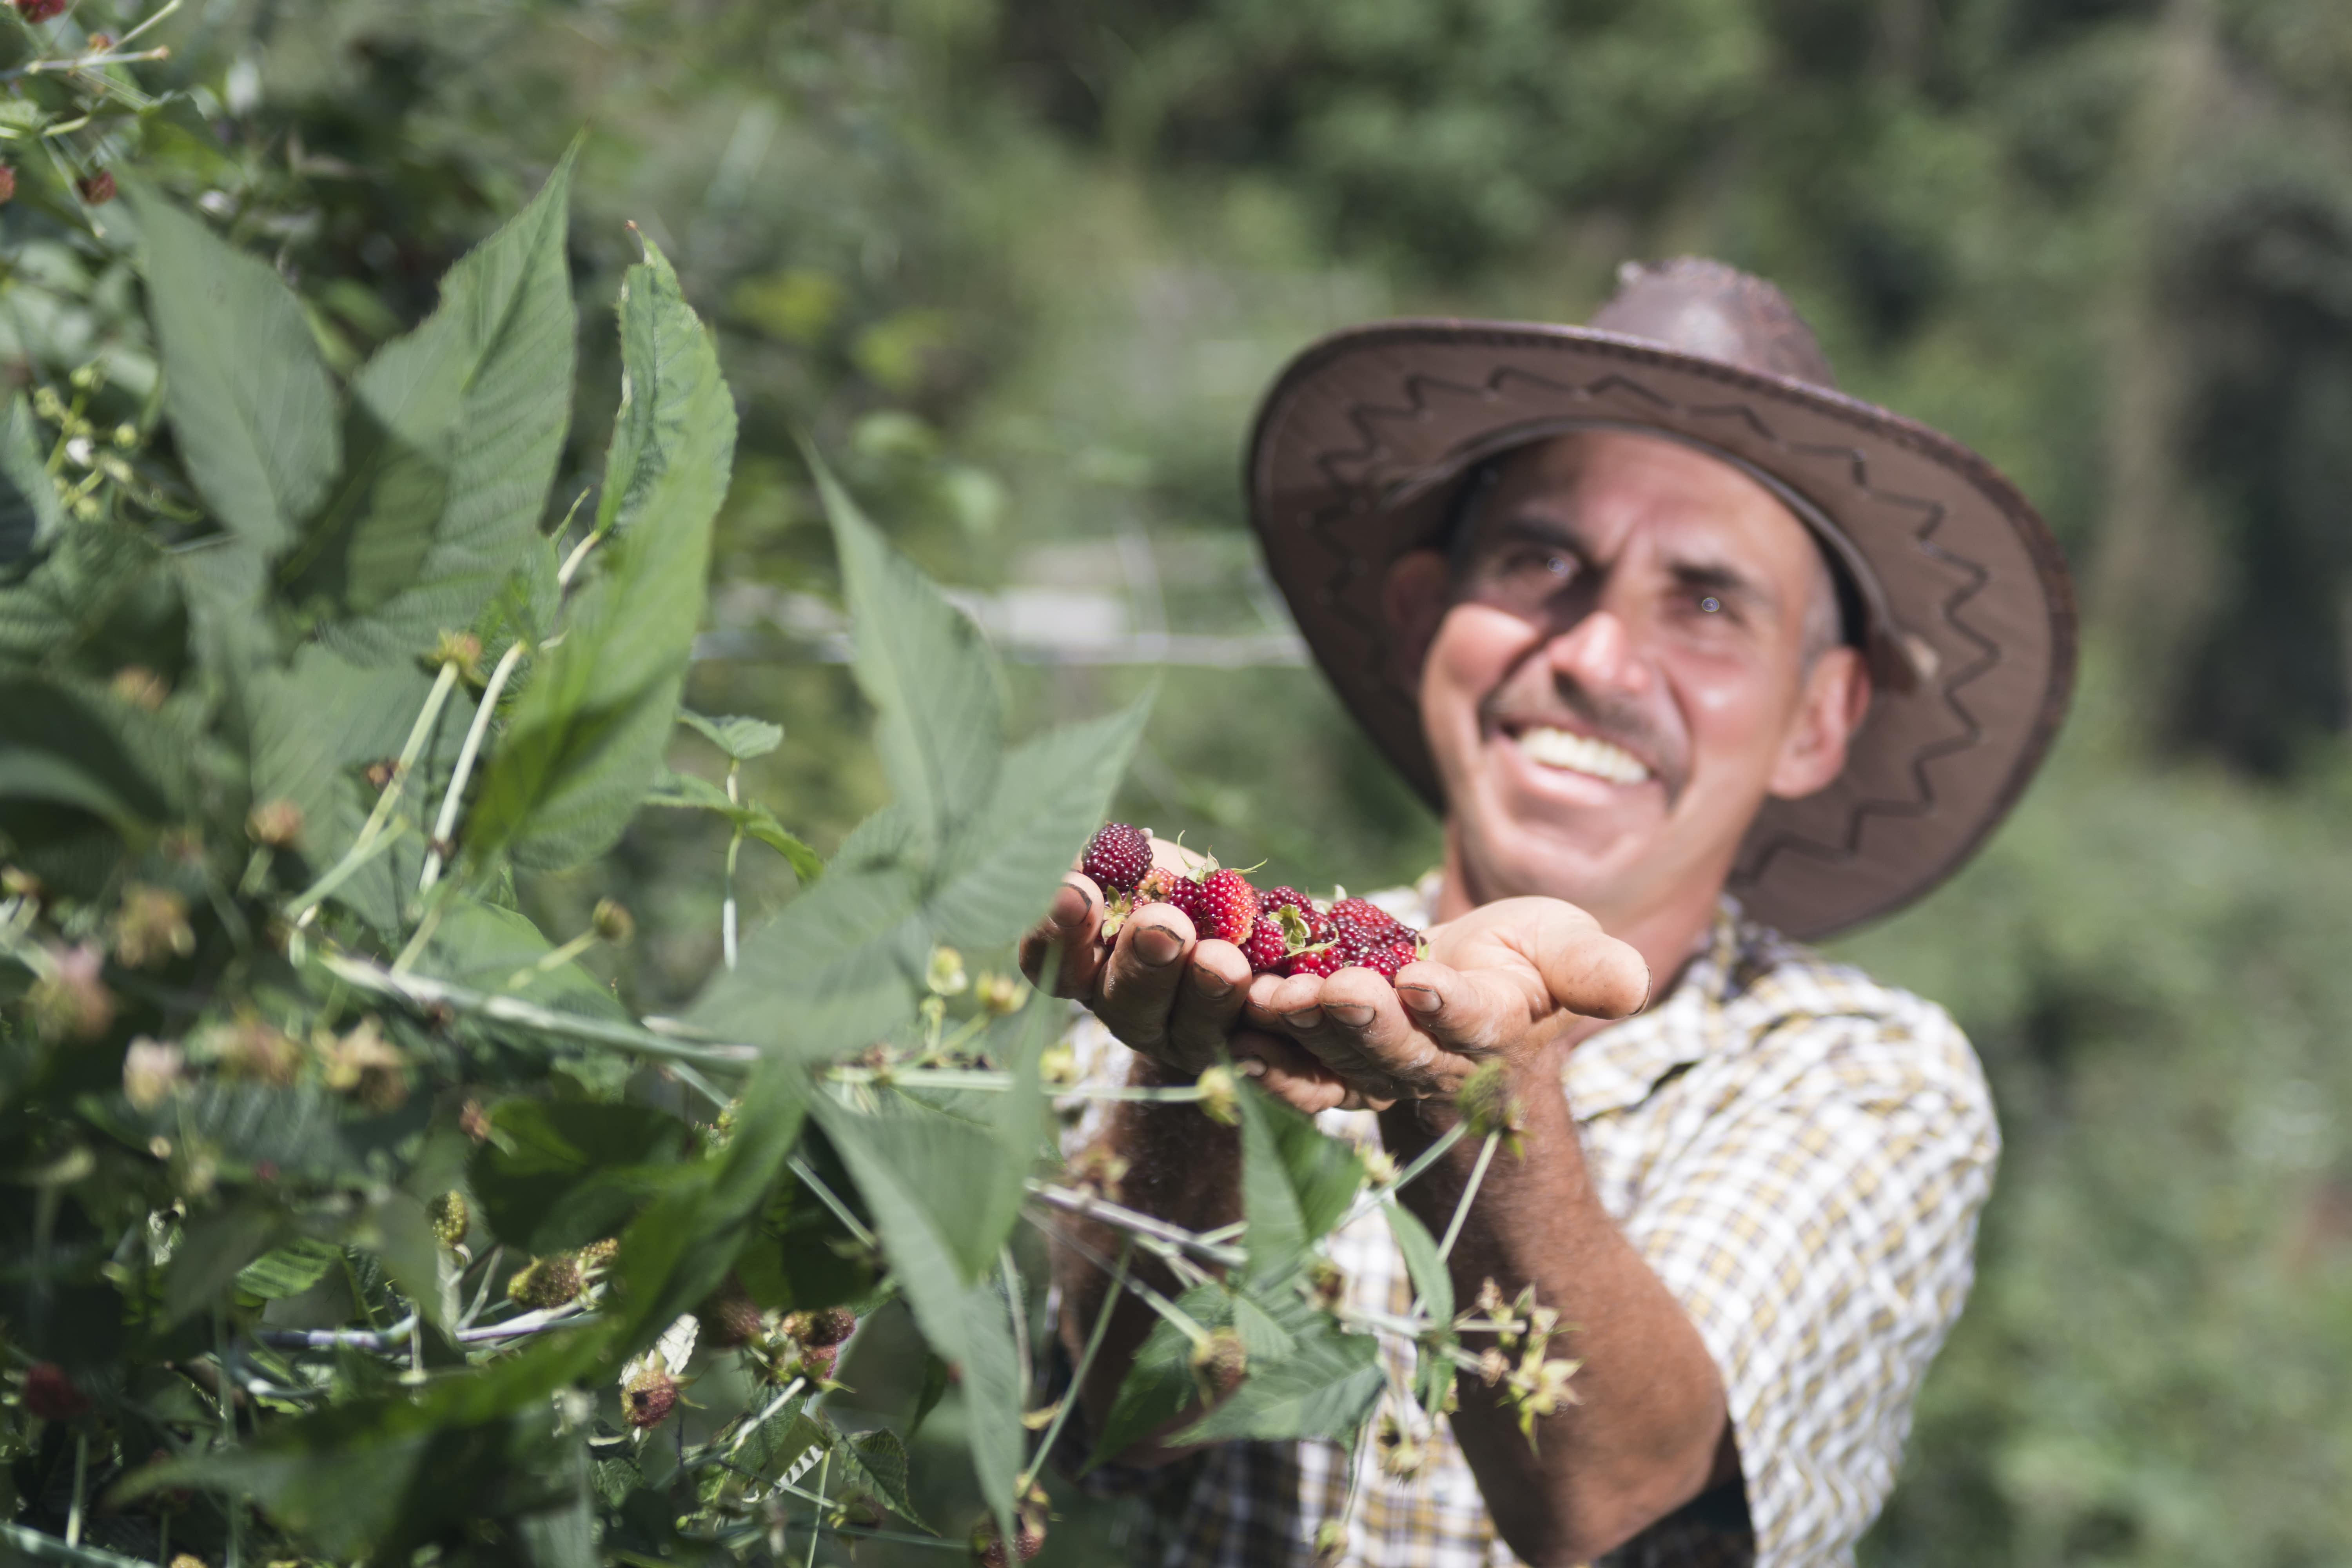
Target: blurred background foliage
{"x": 1026, "y": 266}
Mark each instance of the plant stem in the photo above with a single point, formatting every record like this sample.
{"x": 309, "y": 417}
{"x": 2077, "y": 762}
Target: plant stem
{"x": 1184, "y": 1323}
{"x": 81, "y": 1481}
{"x": 1374, "y": 1197}
{"x": 734, "y": 847}
{"x": 1469, "y": 1193}
{"x": 306, "y": 904}
{"x": 816, "y": 1518}
{"x": 825, "y": 1195}
{"x": 446, "y": 823}
{"x": 1119, "y": 1218}
{"x": 43, "y": 1548}
{"x": 1077, "y": 1378}
{"x": 425, "y": 991}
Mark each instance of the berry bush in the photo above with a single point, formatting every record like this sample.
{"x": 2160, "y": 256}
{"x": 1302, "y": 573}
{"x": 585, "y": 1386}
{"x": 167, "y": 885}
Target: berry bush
{"x": 351, "y": 1218}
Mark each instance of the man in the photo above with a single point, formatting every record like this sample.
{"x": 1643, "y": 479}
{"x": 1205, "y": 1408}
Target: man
{"x": 1688, "y": 647}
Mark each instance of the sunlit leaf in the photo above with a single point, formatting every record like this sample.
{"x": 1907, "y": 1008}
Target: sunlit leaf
{"x": 30, "y": 513}
{"x": 250, "y": 402}
{"x": 741, "y": 738}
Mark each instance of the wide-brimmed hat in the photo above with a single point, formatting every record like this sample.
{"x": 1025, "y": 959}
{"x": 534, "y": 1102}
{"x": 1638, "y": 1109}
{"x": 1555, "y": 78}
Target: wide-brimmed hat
{"x": 1954, "y": 589}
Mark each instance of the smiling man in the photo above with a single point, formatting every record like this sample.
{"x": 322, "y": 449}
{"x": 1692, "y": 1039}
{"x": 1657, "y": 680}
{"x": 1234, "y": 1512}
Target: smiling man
{"x": 1691, "y": 651}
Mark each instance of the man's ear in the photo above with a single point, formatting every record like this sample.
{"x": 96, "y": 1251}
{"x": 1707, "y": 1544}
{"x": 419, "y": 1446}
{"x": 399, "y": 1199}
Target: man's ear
{"x": 1412, "y": 601}
{"x": 1836, "y": 700}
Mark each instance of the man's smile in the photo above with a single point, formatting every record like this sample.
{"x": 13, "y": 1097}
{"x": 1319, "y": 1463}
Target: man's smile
{"x": 1549, "y": 746}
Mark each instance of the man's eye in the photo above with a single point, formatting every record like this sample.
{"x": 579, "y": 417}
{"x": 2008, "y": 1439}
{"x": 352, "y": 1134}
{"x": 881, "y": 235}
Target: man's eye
{"x": 1709, "y": 605}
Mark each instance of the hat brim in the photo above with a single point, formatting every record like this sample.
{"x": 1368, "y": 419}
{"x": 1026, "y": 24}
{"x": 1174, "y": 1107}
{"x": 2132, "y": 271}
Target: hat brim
{"x": 1363, "y": 441}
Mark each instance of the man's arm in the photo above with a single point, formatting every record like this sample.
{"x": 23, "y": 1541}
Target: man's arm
{"x": 1644, "y": 1436}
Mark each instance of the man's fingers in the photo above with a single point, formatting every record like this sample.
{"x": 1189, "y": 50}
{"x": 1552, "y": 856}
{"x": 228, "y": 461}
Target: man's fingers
{"x": 1216, "y": 977}
{"x": 1288, "y": 1072}
{"x": 1073, "y": 922}
{"x": 1141, "y": 979}
{"x": 1588, "y": 971}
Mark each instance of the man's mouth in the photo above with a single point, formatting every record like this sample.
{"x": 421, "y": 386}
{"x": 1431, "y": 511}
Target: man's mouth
{"x": 1575, "y": 753}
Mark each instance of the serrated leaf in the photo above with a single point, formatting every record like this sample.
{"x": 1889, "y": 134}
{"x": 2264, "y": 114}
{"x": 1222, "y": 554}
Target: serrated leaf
{"x": 1159, "y": 1384}
{"x": 464, "y": 419}
{"x": 882, "y": 1458}
{"x": 922, "y": 1168}
{"x": 1430, "y": 1281}
{"x": 213, "y": 1251}
{"x": 1295, "y": 1183}
{"x": 248, "y": 397}
{"x": 741, "y": 738}
{"x": 80, "y": 745}
{"x": 72, "y": 598}
{"x": 560, "y": 1173}
{"x": 846, "y": 950}
{"x": 30, "y": 513}
{"x": 587, "y": 734}
{"x": 290, "y": 1269}
{"x": 1325, "y": 1388}
{"x": 693, "y": 793}
{"x": 483, "y": 948}
{"x": 928, "y": 671}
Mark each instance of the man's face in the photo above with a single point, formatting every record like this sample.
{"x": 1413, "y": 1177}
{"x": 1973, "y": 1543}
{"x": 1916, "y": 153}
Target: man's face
{"x": 1636, "y": 646}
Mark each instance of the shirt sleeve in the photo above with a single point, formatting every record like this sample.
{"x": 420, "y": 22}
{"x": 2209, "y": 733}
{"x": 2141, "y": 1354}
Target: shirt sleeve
{"x": 1819, "y": 1228}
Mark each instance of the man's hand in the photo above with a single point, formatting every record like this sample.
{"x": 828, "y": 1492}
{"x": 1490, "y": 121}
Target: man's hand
{"x": 1506, "y": 978}
{"x": 1159, "y": 989}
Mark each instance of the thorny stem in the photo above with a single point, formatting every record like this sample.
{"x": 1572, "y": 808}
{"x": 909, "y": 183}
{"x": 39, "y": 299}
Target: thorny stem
{"x": 817, "y": 1520}
{"x": 734, "y": 847}
{"x": 1077, "y": 1379}
{"x": 1374, "y": 1197}
{"x": 744, "y": 1433}
{"x": 1184, "y": 1323}
{"x": 425, "y": 991}
{"x": 81, "y": 1480}
{"x": 446, "y": 823}
{"x": 831, "y": 1200}
{"x": 1469, "y": 1193}
{"x": 1127, "y": 1219}
{"x": 305, "y": 906}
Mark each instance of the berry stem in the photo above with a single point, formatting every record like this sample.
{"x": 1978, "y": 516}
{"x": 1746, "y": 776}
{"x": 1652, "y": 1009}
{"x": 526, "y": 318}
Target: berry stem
{"x": 1469, "y": 1195}
{"x": 305, "y": 906}
{"x": 81, "y": 1482}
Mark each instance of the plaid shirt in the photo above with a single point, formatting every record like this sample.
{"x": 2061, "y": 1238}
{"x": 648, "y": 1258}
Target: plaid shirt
{"x": 1800, "y": 1155}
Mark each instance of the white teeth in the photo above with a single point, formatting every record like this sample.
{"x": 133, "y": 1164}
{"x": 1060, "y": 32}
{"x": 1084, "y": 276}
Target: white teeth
{"x": 1583, "y": 754}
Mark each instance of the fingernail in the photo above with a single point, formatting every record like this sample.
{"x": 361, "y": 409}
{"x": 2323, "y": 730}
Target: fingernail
{"x": 1421, "y": 998}
{"x": 1250, "y": 1066}
{"x": 1158, "y": 944}
{"x": 1305, "y": 1018}
{"x": 1069, "y": 906}
{"x": 1208, "y": 983}
{"x": 1354, "y": 1017}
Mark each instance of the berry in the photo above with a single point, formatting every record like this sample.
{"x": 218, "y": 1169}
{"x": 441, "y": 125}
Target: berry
{"x": 830, "y": 1327}
{"x": 815, "y": 1362}
{"x": 1219, "y": 1363}
{"x": 1028, "y": 1539}
{"x": 1385, "y": 961}
{"x": 546, "y": 1282}
{"x": 649, "y": 1397}
{"x": 1313, "y": 921}
{"x": 39, "y": 11}
{"x": 1228, "y": 911}
{"x": 1165, "y": 887}
{"x": 1320, "y": 962}
{"x": 1266, "y": 946}
{"x": 1118, "y": 857}
{"x": 1353, "y": 917}
{"x": 97, "y": 189}
{"x": 7, "y": 183}
{"x": 51, "y": 1395}
{"x": 728, "y": 1316}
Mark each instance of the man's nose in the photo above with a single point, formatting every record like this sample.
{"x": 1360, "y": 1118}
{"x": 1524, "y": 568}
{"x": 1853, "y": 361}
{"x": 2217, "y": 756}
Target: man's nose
{"x": 1597, "y": 654}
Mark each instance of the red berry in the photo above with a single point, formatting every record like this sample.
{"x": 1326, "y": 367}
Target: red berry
{"x": 1266, "y": 946}
{"x": 1228, "y": 908}
{"x": 51, "y": 1395}
{"x": 1350, "y": 916}
{"x": 1386, "y": 961}
{"x": 649, "y": 1398}
{"x": 1319, "y": 961}
{"x": 1165, "y": 887}
{"x": 1119, "y": 856}
{"x": 96, "y": 189}
{"x": 39, "y": 11}
{"x": 1317, "y": 922}
{"x": 7, "y": 183}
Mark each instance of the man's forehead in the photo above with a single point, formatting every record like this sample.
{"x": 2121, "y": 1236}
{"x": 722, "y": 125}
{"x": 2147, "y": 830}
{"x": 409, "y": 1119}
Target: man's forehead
{"x": 1595, "y": 487}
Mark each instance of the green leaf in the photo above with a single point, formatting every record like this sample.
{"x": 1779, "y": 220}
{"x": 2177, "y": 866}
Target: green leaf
{"x": 289, "y": 1270}
{"x": 1159, "y": 1382}
{"x": 1295, "y": 1183}
{"x": 73, "y": 598}
{"x": 1431, "y": 1280}
{"x": 926, "y": 670}
{"x": 80, "y": 745}
{"x": 31, "y": 515}
{"x": 483, "y": 947}
{"x": 457, "y": 428}
{"x": 393, "y": 1226}
{"x": 1050, "y": 795}
{"x": 560, "y": 1173}
{"x": 249, "y": 399}
{"x": 691, "y": 792}
{"x": 213, "y": 1251}
{"x": 881, "y": 1460}
{"x": 587, "y": 734}
{"x": 847, "y": 951}
{"x": 1325, "y": 1388}
{"x": 741, "y": 738}
{"x": 992, "y": 1397}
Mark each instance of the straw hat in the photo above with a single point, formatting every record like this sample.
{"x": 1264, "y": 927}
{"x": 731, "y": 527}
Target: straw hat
{"x": 1954, "y": 589}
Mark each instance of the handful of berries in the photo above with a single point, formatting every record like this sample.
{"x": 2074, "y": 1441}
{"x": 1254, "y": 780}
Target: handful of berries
{"x": 1280, "y": 931}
